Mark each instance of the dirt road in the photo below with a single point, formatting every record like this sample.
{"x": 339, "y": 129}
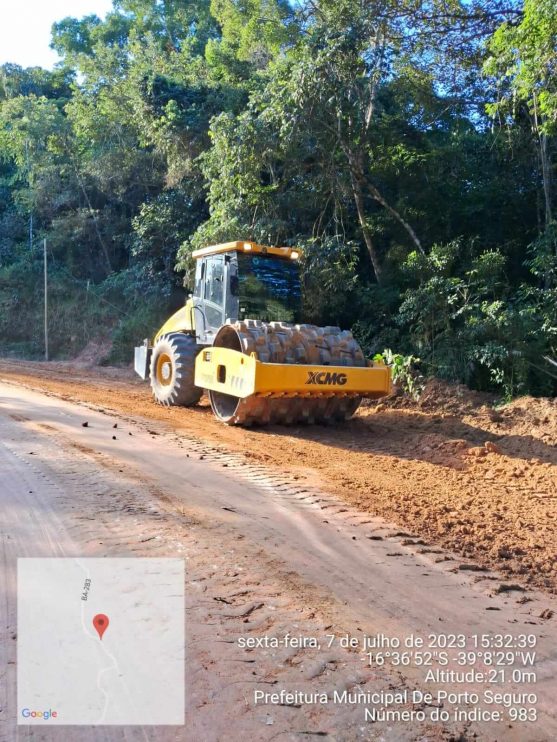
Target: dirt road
{"x": 479, "y": 481}
{"x": 268, "y": 552}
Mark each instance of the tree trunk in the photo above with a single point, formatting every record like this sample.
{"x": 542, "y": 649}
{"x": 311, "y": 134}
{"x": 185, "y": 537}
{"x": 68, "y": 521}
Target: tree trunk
{"x": 92, "y": 213}
{"x": 96, "y": 223}
{"x": 359, "y": 183}
{"x": 545, "y": 162}
{"x": 379, "y": 198}
{"x": 359, "y": 201}
{"x": 546, "y": 178}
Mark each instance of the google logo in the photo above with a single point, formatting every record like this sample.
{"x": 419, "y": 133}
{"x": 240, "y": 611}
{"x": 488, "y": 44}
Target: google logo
{"x": 46, "y": 715}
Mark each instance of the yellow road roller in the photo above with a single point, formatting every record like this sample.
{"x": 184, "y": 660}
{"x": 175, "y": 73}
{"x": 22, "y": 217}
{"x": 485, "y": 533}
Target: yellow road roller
{"x": 238, "y": 339}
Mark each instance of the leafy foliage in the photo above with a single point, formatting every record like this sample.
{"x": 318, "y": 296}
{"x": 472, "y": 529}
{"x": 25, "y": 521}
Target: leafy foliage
{"x": 407, "y": 147}
{"x": 404, "y": 372}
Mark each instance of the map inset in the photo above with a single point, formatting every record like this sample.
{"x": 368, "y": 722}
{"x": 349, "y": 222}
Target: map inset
{"x": 100, "y": 641}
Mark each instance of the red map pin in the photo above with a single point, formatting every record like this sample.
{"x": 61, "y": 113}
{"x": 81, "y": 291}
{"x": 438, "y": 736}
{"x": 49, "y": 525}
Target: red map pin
{"x": 100, "y": 622}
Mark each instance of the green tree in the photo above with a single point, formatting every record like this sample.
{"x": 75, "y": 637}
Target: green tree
{"x": 522, "y": 63}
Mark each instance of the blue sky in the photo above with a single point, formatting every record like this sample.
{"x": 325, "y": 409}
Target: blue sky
{"x": 25, "y": 27}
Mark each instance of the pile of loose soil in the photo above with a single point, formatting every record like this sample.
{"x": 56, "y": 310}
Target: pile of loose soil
{"x": 95, "y": 353}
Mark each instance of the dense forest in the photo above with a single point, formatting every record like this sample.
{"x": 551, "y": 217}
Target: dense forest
{"x": 407, "y": 146}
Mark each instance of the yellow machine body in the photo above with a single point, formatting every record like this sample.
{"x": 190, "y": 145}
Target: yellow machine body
{"x": 247, "y": 246}
{"x": 232, "y": 372}
{"x": 181, "y": 321}
{"x": 184, "y": 319}
{"x": 255, "y": 371}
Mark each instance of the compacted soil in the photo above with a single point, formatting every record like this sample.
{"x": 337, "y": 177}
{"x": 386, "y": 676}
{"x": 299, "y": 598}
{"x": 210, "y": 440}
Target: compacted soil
{"x": 453, "y": 469}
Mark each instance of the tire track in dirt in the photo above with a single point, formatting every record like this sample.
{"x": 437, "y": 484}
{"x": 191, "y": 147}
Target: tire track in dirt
{"x": 222, "y": 542}
{"x": 475, "y": 481}
{"x": 58, "y": 501}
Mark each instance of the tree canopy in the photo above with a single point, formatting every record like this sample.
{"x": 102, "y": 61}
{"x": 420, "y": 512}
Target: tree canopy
{"x": 407, "y": 145}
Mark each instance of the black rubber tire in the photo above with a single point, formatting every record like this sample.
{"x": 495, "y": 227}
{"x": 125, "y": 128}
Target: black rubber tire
{"x": 172, "y": 370}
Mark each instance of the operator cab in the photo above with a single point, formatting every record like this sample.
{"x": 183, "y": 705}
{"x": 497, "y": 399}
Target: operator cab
{"x": 243, "y": 280}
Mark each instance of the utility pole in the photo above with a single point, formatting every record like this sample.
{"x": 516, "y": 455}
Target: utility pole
{"x": 45, "y": 302}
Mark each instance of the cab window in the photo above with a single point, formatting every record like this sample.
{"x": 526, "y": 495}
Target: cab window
{"x": 214, "y": 282}
{"x": 199, "y": 277}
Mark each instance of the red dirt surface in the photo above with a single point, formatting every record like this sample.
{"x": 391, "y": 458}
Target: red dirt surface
{"x": 452, "y": 469}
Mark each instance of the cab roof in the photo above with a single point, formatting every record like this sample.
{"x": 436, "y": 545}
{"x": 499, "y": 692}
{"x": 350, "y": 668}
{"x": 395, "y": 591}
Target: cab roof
{"x": 248, "y": 247}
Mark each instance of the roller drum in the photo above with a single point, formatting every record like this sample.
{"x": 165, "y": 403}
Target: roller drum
{"x": 279, "y": 342}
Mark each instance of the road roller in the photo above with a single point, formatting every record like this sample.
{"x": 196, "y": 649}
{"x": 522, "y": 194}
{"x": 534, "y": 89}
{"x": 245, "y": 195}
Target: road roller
{"x": 240, "y": 340}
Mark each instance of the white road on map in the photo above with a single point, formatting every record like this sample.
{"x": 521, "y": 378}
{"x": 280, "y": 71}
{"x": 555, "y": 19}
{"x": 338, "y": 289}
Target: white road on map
{"x": 135, "y": 674}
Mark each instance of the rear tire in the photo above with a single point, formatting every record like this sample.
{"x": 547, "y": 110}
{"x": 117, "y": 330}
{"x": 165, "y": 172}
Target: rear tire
{"x": 172, "y": 370}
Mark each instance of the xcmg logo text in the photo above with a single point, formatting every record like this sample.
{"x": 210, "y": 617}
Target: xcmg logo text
{"x": 46, "y": 715}
{"x": 326, "y": 377}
